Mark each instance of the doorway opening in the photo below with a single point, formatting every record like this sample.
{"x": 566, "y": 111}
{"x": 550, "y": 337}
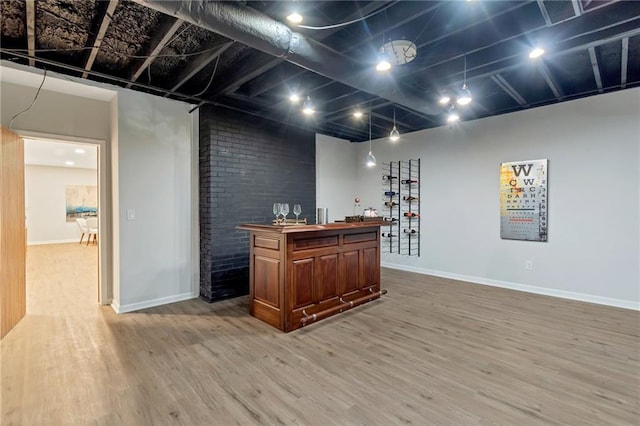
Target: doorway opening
{"x": 62, "y": 207}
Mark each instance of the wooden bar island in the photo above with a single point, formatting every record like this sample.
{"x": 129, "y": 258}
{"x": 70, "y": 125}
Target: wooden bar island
{"x": 303, "y": 273}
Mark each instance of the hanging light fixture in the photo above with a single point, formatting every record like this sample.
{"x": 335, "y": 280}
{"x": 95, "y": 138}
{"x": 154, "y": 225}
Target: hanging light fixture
{"x": 395, "y": 134}
{"x": 371, "y": 160}
{"x": 464, "y": 97}
{"x": 307, "y": 107}
{"x": 453, "y": 116}
{"x": 444, "y": 99}
{"x": 536, "y": 52}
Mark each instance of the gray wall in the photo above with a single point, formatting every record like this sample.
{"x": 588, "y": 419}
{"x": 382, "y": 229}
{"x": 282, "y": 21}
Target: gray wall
{"x": 592, "y": 145}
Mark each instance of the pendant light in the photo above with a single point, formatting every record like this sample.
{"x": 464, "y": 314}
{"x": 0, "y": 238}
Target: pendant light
{"x": 465, "y": 95}
{"x": 453, "y": 116}
{"x": 307, "y": 107}
{"x": 371, "y": 160}
{"x": 395, "y": 134}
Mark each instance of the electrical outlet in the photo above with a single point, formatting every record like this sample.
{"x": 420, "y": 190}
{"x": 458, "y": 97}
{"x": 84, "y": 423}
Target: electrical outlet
{"x": 528, "y": 265}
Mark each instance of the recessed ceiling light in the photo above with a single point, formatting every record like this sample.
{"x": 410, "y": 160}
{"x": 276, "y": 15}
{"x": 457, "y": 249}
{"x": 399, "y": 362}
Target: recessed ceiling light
{"x": 357, "y": 114}
{"x": 294, "y": 98}
{"x": 536, "y": 53}
{"x": 79, "y": 151}
{"x": 295, "y": 18}
{"x": 69, "y": 163}
{"x": 383, "y": 65}
{"x": 444, "y": 100}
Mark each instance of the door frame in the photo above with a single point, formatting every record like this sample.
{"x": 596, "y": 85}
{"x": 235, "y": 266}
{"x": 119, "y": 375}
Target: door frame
{"x": 105, "y": 286}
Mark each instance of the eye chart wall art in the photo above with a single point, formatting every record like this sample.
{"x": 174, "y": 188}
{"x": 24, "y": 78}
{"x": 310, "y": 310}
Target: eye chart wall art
{"x": 523, "y": 200}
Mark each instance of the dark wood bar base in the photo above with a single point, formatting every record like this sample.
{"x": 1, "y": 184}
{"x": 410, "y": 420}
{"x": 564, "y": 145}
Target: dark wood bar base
{"x": 302, "y": 274}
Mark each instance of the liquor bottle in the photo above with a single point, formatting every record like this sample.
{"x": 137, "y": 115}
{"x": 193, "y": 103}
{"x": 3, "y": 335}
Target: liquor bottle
{"x": 410, "y": 198}
{"x": 390, "y": 203}
{"x": 408, "y": 181}
{"x": 390, "y": 193}
{"x": 390, "y": 219}
{"x": 410, "y": 231}
{"x": 388, "y": 235}
{"x": 389, "y": 177}
{"x": 411, "y": 214}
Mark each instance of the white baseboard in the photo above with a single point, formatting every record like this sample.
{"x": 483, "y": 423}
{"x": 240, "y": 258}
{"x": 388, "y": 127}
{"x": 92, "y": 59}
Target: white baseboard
{"x": 39, "y": 243}
{"x": 582, "y": 297}
{"x": 121, "y": 309}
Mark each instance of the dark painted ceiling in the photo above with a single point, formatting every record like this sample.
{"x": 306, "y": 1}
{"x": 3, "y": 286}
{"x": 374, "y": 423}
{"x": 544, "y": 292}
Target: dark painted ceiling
{"x": 231, "y": 54}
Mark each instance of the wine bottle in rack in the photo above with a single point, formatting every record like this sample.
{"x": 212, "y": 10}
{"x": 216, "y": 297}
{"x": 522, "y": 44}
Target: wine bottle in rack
{"x": 411, "y": 214}
{"x": 410, "y": 198}
{"x": 390, "y": 203}
{"x": 408, "y": 181}
{"x": 410, "y": 231}
{"x": 388, "y": 235}
{"x": 389, "y": 177}
{"x": 390, "y": 219}
{"x": 390, "y": 193}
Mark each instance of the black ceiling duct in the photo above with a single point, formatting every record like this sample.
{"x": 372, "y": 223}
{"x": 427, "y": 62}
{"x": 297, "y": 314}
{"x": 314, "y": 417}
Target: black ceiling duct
{"x": 256, "y": 30}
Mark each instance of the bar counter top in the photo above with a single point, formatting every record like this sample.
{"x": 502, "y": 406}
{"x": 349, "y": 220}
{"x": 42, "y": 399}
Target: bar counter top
{"x": 288, "y": 229}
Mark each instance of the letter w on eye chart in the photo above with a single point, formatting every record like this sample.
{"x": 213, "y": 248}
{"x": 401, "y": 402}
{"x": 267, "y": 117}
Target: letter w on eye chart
{"x": 523, "y": 200}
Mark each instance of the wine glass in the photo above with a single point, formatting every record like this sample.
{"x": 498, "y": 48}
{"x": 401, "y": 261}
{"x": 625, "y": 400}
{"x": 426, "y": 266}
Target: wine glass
{"x": 276, "y": 210}
{"x": 297, "y": 209}
{"x": 284, "y": 209}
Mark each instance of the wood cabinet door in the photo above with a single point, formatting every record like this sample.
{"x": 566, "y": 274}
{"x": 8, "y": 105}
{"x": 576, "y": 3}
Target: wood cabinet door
{"x": 326, "y": 282}
{"x": 302, "y": 282}
{"x": 351, "y": 271}
{"x": 370, "y": 267}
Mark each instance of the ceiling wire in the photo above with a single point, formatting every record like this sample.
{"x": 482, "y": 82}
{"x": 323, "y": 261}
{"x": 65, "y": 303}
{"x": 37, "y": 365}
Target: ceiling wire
{"x": 342, "y": 24}
{"x": 211, "y": 79}
{"x": 44, "y": 77}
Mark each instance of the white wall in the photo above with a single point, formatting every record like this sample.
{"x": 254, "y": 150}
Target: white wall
{"x": 592, "y": 145}
{"x": 55, "y": 113}
{"x": 154, "y": 177}
{"x": 336, "y": 176}
{"x": 149, "y": 156}
{"x": 45, "y": 202}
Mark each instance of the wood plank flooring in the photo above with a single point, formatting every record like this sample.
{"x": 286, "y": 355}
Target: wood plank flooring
{"x": 432, "y": 352}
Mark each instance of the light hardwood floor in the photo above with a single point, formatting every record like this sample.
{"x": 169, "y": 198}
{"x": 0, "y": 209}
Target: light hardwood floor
{"x": 431, "y": 352}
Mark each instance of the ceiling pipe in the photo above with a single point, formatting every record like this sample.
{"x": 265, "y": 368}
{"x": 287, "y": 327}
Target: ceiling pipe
{"x": 256, "y": 30}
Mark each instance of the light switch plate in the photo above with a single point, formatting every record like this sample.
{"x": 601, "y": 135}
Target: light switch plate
{"x": 131, "y": 214}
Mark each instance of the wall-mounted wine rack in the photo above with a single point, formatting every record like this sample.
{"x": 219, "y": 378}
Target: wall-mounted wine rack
{"x": 401, "y": 196}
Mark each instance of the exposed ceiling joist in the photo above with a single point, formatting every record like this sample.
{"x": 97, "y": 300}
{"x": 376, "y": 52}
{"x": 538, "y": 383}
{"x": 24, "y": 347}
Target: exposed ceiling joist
{"x": 596, "y": 68}
{"x": 258, "y": 31}
{"x": 68, "y": 37}
{"x": 97, "y": 41}
{"x": 158, "y": 42}
{"x": 198, "y": 65}
{"x": 246, "y": 70}
{"x": 579, "y": 43}
{"x": 31, "y": 31}
{"x": 508, "y": 89}
{"x": 577, "y": 7}
{"x": 544, "y": 12}
{"x": 624, "y": 62}
{"x": 553, "y": 85}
